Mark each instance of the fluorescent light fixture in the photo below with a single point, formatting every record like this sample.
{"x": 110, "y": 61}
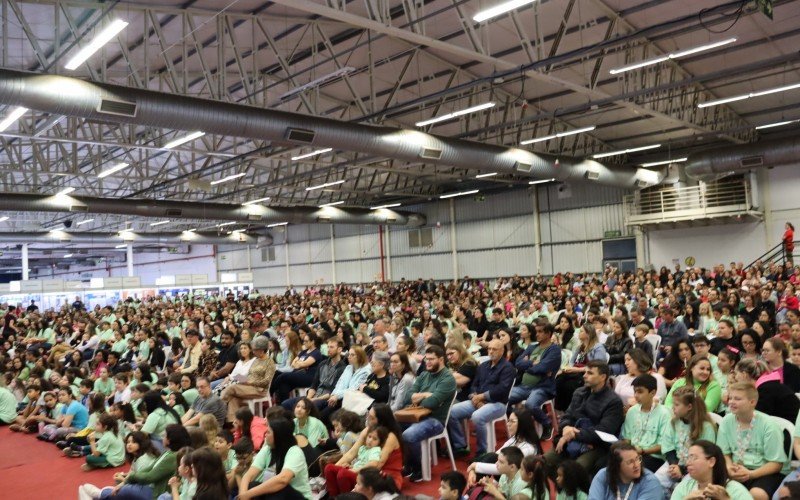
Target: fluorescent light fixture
{"x": 183, "y": 140}
{"x": 454, "y": 114}
{"x": 12, "y": 117}
{"x": 191, "y": 230}
{"x": 65, "y": 191}
{"x": 115, "y": 168}
{"x": 226, "y": 224}
{"x": 253, "y": 202}
{"x": 776, "y": 124}
{"x": 98, "y": 41}
{"x": 313, "y": 153}
{"x": 327, "y": 184}
{"x": 5, "y": 218}
{"x": 462, "y": 193}
{"x": 160, "y": 223}
{"x": 332, "y": 204}
{"x": 67, "y": 255}
{"x": 673, "y": 55}
{"x": 665, "y": 162}
{"x": 229, "y": 178}
{"x": 84, "y": 222}
{"x": 278, "y": 224}
{"x": 625, "y": 151}
{"x": 541, "y": 181}
{"x": 560, "y": 134}
{"x": 339, "y": 73}
{"x": 121, "y": 246}
{"x": 482, "y": 176}
{"x": 500, "y": 9}
{"x": 748, "y": 96}
{"x": 390, "y": 205}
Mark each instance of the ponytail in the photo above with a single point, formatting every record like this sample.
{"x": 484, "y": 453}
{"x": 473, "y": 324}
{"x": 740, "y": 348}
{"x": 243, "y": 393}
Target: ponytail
{"x": 371, "y": 477}
{"x": 698, "y": 415}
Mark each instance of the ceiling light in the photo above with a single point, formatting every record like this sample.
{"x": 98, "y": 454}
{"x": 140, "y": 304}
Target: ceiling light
{"x": 541, "y": 181}
{"x": 5, "y": 218}
{"x": 84, "y": 222}
{"x": 122, "y": 246}
{"x": 339, "y": 73}
{"x": 313, "y": 153}
{"x": 454, "y": 114}
{"x": 327, "y": 184}
{"x": 12, "y": 117}
{"x": 748, "y": 96}
{"x": 625, "y": 151}
{"x": 229, "y": 178}
{"x": 673, "y": 55}
{"x": 65, "y": 191}
{"x": 776, "y": 124}
{"x": 462, "y": 193}
{"x": 191, "y": 230}
{"x": 115, "y": 168}
{"x": 253, "y": 202}
{"x": 390, "y": 205}
{"x": 226, "y": 224}
{"x": 161, "y": 223}
{"x": 277, "y": 224}
{"x": 183, "y": 140}
{"x": 67, "y": 255}
{"x": 560, "y": 134}
{"x": 500, "y": 9}
{"x": 482, "y": 176}
{"x": 98, "y": 41}
{"x": 332, "y": 204}
{"x": 665, "y": 162}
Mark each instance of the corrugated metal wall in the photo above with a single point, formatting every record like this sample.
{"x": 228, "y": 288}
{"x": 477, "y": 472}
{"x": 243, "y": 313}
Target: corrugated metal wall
{"x": 494, "y": 237}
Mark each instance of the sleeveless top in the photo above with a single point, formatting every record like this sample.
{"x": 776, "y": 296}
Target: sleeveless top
{"x": 394, "y": 467}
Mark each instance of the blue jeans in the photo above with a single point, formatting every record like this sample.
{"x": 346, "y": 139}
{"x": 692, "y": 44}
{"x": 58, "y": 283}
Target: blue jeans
{"x": 414, "y": 435}
{"x": 534, "y": 398}
{"x": 130, "y": 492}
{"x": 215, "y": 383}
{"x": 480, "y": 417}
{"x": 793, "y": 476}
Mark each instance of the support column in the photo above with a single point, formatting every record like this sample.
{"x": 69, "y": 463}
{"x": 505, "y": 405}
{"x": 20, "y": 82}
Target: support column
{"x": 453, "y": 238}
{"x": 130, "y": 259}
{"x": 25, "y": 262}
{"x": 333, "y": 258}
{"x": 388, "y": 247}
{"x": 249, "y": 259}
{"x": 537, "y": 231}
{"x": 641, "y": 247}
{"x": 286, "y": 250}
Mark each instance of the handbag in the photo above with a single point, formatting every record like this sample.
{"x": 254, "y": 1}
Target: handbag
{"x": 357, "y": 402}
{"x": 411, "y": 414}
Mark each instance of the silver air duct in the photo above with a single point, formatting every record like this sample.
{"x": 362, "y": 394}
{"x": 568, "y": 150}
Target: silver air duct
{"x": 254, "y": 214}
{"x": 717, "y": 163}
{"x": 61, "y": 236}
{"x": 95, "y": 101}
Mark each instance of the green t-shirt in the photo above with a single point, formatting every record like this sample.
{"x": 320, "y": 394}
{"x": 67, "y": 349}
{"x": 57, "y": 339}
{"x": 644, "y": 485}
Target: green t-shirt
{"x": 8, "y": 406}
{"x": 144, "y": 349}
{"x": 677, "y": 437}
{"x": 112, "y": 447}
{"x": 365, "y": 456}
{"x": 157, "y": 422}
{"x": 314, "y": 430}
{"x": 48, "y": 335}
{"x": 107, "y": 335}
{"x": 509, "y": 488}
{"x": 713, "y": 393}
{"x": 230, "y": 461}
{"x": 190, "y": 395}
{"x": 528, "y": 379}
{"x": 644, "y": 429}
{"x": 756, "y": 446}
{"x": 294, "y": 461}
{"x": 106, "y": 387}
{"x": 735, "y": 490}
{"x": 187, "y": 489}
{"x": 120, "y": 346}
{"x": 580, "y": 495}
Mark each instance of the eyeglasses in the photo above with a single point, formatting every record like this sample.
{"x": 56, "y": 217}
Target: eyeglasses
{"x": 634, "y": 461}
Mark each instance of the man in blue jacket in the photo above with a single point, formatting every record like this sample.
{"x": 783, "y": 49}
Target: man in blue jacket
{"x": 539, "y": 364}
{"x": 487, "y": 399}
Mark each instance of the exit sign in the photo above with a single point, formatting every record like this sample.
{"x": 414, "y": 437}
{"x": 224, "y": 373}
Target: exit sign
{"x": 612, "y": 234}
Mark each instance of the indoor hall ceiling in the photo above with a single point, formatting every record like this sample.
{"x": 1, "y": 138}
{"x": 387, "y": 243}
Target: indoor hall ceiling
{"x": 546, "y": 66}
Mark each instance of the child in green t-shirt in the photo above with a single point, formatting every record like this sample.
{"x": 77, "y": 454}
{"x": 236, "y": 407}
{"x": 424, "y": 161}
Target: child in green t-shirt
{"x": 534, "y": 473}
{"x": 107, "y": 448}
{"x": 184, "y": 485}
{"x": 223, "y": 445}
{"x": 509, "y": 462}
{"x": 370, "y": 451}
{"x": 645, "y": 422}
{"x": 572, "y": 481}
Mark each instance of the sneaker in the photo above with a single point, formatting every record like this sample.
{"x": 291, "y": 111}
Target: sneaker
{"x": 407, "y": 472}
{"x": 547, "y": 432}
{"x": 461, "y": 452}
{"x": 416, "y": 477}
{"x": 62, "y": 444}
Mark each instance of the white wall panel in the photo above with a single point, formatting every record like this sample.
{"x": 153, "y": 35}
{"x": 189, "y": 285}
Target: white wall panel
{"x": 577, "y": 195}
{"x": 431, "y": 266}
{"x": 708, "y": 245}
{"x": 495, "y": 206}
{"x": 512, "y": 261}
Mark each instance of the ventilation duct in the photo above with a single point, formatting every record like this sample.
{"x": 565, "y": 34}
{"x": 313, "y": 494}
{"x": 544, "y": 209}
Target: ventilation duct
{"x": 62, "y": 95}
{"x": 720, "y": 162}
{"x": 206, "y": 211}
{"x": 132, "y": 237}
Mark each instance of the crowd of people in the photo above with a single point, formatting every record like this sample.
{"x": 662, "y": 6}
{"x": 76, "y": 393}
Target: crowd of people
{"x": 649, "y": 385}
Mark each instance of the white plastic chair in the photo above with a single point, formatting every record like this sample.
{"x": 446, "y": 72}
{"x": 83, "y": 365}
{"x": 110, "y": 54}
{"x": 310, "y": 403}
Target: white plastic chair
{"x": 429, "y": 445}
{"x": 491, "y": 437}
{"x": 257, "y": 405}
{"x": 655, "y": 341}
{"x": 167, "y": 354}
{"x": 786, "y": 426}
{"x": 566, "y": 356}
{"x": 716, "y": 417}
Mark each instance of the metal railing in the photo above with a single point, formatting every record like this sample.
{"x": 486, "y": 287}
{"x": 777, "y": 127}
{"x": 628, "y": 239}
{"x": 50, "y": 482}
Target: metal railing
{"x": 775, "y": 255}
{"x": 695, "y": 201}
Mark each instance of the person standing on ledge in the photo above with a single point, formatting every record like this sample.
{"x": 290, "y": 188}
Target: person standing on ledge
{"x": 788, "y": 242}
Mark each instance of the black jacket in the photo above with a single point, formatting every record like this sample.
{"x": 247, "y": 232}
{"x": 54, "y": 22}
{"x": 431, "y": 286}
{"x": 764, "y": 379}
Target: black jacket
{"x": 600, "y": 411}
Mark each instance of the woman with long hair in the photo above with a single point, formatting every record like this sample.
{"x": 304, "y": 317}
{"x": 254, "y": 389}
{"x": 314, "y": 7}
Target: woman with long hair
{"x": 775, "y": 353}
{"x": 774, "y": 397}
{"x": 637, "y": 362}
{"x": 617, "y": 345}
{"x": 159, "y": 416}
{"x": 707, "y": 477}
{"x": 699, "y": 377}
{"x": 463, "y": 367}
{"x": 250, "y": 427}
{"x": 673, "y": 366}
{"x": 341, "y": 478}
{"x": 209, "y": 474}
{"x": 372, "y": 484}
{"x": 140, "y": 453}
{"x": 402, "y": 377}
{"x": 282, "y": 455}
{"x": 571, "y": 377}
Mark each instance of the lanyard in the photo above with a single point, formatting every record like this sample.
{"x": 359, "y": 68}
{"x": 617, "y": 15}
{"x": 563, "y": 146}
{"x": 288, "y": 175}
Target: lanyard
{"x": 627, "y": 493}
{"x": 643, "y": 427}
{"x": 743, "y": 441}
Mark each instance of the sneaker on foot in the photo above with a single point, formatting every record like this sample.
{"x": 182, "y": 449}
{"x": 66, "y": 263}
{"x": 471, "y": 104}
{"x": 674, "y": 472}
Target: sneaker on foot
{"x": 86, "y": 467}
{"x": 416, "y": 477}
{"x": 461, "y": 452}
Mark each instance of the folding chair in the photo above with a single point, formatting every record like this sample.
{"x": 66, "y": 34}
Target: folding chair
{"x": 429, "y": 444}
